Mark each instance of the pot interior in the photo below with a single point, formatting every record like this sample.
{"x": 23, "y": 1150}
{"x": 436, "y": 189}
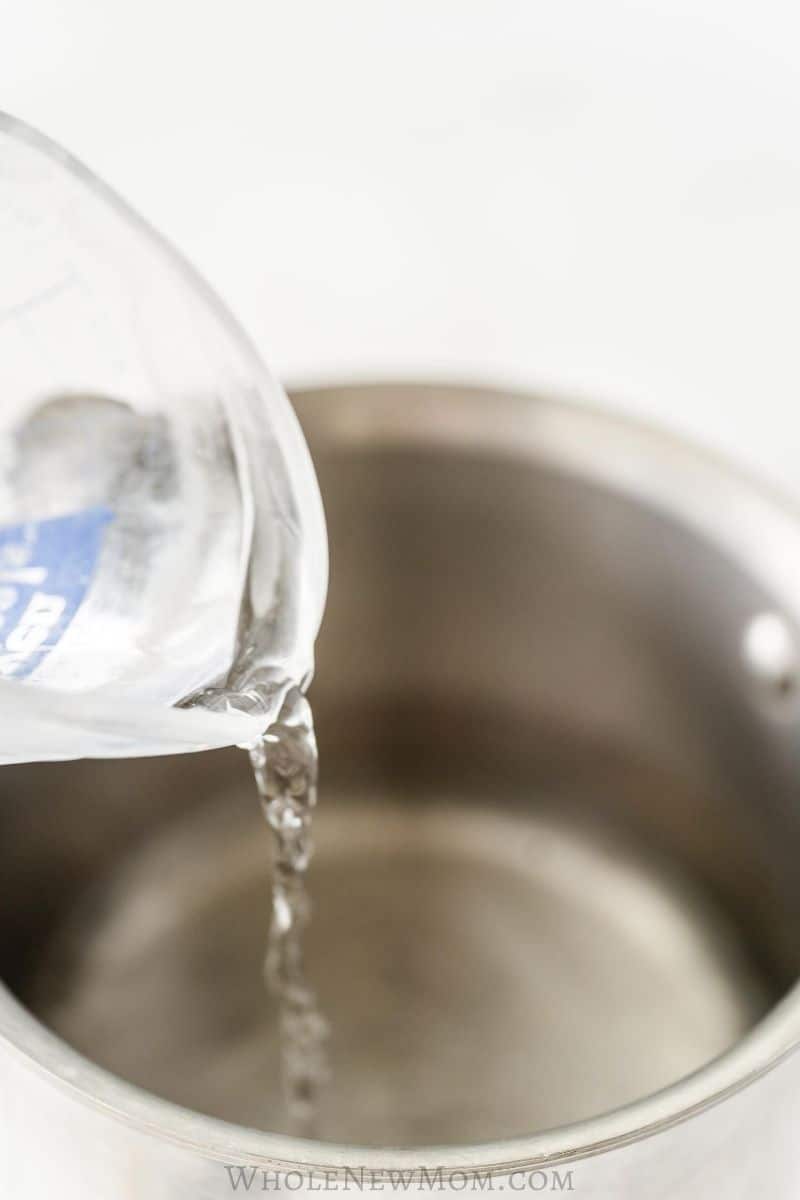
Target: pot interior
{"x": 558, "y": 823}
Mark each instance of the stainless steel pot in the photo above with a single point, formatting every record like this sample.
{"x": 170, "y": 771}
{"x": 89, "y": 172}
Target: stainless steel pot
{"x": 556, "y": 887}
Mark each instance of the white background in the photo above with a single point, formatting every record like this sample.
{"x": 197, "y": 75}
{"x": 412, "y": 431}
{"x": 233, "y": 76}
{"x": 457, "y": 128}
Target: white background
{"x": 592, "y": 195}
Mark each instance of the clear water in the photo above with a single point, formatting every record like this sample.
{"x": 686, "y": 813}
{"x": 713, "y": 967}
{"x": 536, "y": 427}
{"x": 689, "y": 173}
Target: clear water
{"x": 285, "y": 767}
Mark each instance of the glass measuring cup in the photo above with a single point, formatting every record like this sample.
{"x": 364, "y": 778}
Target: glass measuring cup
{"x": 163, "y": 559}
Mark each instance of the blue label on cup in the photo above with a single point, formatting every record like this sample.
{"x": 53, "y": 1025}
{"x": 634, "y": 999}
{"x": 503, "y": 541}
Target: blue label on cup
{"x": 45, "y": 570}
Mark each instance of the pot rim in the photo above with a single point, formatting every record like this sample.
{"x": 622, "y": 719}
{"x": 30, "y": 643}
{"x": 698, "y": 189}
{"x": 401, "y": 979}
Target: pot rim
{"x": 691, "y": 484}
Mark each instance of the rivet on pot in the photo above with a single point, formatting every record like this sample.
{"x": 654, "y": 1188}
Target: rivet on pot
{"x": 770, "y": 653}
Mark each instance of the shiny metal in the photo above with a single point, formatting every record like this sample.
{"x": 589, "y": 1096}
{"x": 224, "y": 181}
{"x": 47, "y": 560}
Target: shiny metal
{"x": 556, "y": 887}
